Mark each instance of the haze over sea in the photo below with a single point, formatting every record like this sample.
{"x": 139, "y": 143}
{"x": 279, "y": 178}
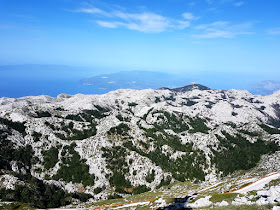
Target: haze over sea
{"x": 222, "y": 44}
{"x": 27, "y": 80}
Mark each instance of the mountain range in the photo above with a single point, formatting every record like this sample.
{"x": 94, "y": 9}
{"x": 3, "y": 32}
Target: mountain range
{"x": 60, "y": 150}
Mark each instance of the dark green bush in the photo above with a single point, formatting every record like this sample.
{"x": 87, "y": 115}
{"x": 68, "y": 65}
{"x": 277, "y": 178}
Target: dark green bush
{"x": 121, "y": 129}
{"x": 41, "y": 114}
{"x": 74, "y": 168}
{"x": 132, "y": 104}
{"x": 165, "y": 181}
{"x": 150, "y": 176}
{"x": 20, "y": 127}
{"x": 269, "y": 129}
{"x": 198, "y": 125}
{"x": 237, "y": 153}
{"x": 140, "y": 189}
{"x": 50, "y": 157}
{"x": 36, "y": 136}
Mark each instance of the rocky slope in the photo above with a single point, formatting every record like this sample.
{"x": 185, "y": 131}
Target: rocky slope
{"x": 131, "y": 141}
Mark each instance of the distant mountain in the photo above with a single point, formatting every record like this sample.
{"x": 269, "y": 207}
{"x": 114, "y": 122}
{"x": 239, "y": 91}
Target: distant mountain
{"x": 266, "y": 87}
{"x": 136, "y": 80}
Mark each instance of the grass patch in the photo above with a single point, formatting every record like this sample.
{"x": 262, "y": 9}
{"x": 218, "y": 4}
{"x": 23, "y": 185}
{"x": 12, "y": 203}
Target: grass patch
{"x": 18, "y": 206}
{"x": 229, "y": 197}
{"x": 273, "y": 183}
{"x": 244, "y": 207}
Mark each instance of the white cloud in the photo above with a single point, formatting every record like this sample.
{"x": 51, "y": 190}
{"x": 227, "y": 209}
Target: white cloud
{"x": 274, "y": 31}
{"x": 222, "y": 29}
{"x": 108, "y": 24}
{"x": 144, "y": 22}
{"x": 182, "y": 24}
{"x": 189, "y": 16}
{"x": 93, "y": 10}
{"x": 217, "y": 24}
{"x": 238, "y": 4}
{"x": 215, "y": 34}
{"x": 221, "y": 2}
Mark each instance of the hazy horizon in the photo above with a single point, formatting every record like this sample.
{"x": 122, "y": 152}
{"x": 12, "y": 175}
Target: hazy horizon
{"x": 221, "y": 43}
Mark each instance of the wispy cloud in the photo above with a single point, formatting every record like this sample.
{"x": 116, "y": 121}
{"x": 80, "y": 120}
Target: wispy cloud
{"x": 144, "y": 22}
{"x": 189, "y": 16}
{"x": 221, "y": 2}
{"x": 108, "y": 24}
{"x": 274, "y": 31}
{"x": 192, "y": 3}
{"x": 238, "y": 3}
{"x": 209, "y": 1}
{"x": 222, "y": 29}
{"x": 92, "y": 10}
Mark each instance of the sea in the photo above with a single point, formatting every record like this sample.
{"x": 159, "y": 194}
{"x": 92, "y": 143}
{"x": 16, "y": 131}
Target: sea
{"x": 33, "y": 80}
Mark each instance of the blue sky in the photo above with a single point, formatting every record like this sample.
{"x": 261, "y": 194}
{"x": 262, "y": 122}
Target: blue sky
{"x": 158, "y": 35}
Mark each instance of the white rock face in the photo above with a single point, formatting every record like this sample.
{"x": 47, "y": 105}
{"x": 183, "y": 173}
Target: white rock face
{"x": 9, "y": 182}
{"x": 223, "y": 203}
{"x": 241, "y": 201}
{"x": 269, "y": 196}
{"x": 202, "y": 202}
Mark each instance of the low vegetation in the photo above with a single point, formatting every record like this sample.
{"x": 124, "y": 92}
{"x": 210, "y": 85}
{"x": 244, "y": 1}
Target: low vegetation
{"x": 20, "y": 127}
{"x": 237, "y": 153}
{"x": 50, "y": 157}
{"x": 73, "y": 168}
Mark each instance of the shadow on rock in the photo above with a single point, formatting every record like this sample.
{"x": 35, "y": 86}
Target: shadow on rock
{"x": 179, "y": 203}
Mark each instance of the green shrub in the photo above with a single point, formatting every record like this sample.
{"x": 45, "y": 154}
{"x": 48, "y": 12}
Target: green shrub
{"x": 20, "y": 127}
{"x": 36, "y": 136}
{"x": 39, "y": 194}
{"x": 237, "y": 153}
{"x": 140, "y": 189}
{"x": 151, "y": 176}
{"x": 119, "y": 180}
{"x": 269, "y": 129}
{"x": 121, "y": 129}
{"x": 41, "y": 114}
{"x": 229, "y": 197}
{"x": 157, "y": 100}
{"x": 116, "y": 162}
{"x": 132, "y": 104}
{"x": 74, "y": 168}
{"x": 50, "y": 157}
{"x": 198, "y": 125}
{"x": 98, "y": 190}
{"x": 186, "y": 167}
{"x": 165, "y": 181}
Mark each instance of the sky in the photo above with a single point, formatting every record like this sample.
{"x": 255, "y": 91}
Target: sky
{"x": 156, "y": 35}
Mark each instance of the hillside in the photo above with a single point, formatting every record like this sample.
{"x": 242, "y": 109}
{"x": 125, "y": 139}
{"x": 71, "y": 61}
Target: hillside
{"x": 57, "y": 151}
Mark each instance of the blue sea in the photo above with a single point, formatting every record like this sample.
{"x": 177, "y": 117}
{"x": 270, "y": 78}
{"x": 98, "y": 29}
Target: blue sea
{"x": 32, "y": 80}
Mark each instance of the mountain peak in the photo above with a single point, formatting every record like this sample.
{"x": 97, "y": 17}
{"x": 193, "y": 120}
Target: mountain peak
{"x": 187, "y": 88}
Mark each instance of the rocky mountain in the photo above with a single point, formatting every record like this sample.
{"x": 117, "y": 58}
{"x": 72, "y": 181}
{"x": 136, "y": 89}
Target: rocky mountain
{"x": 80, "y": 147}
{"x": 186, "y": 88}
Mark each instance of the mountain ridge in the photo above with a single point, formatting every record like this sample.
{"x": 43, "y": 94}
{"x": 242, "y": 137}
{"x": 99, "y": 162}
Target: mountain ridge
{"x": 186, "y": 88}
{"x": 130, "y": 141}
